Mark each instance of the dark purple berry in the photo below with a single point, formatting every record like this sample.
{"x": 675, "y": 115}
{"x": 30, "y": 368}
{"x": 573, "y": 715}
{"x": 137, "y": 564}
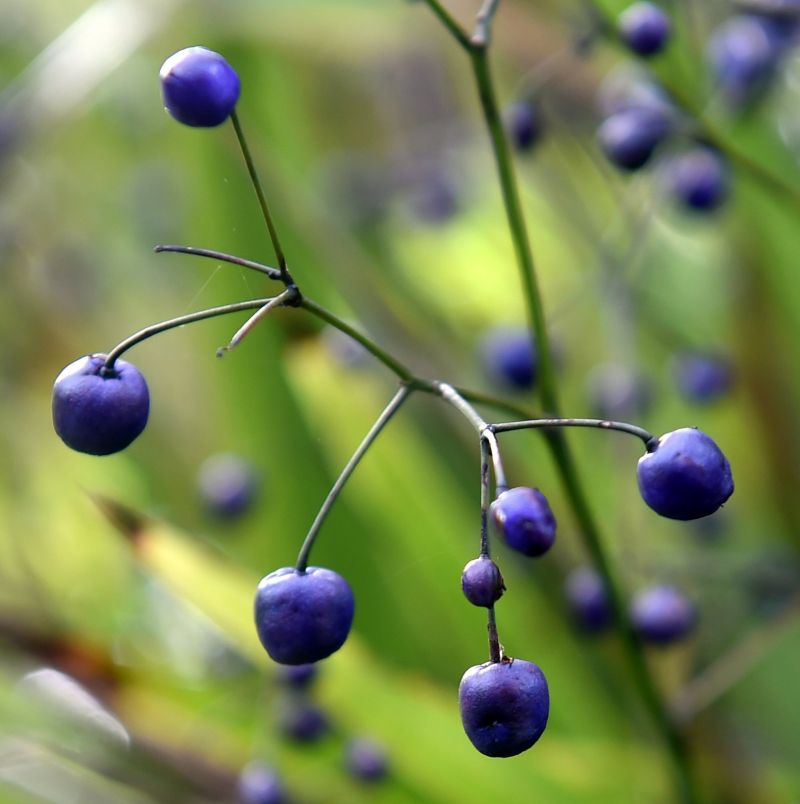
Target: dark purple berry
{"x": 97, "y": 410}
{"x": 298, "y": 676}
{"x": 259, "y": 784}
{"x": 199, "y": 87}
{"x": 629, "y": 137}
{"x": 629, "y": 87}
{"x": 504, "y": 706}
{"x": 587, "y": 600}
{"x": 524, "y": 124}
{"x": 482, "y": 582}
{"x": 227, "y": 485}
{"x": 699, "y": 179}
{"x": 302, "y": 721}
{"x": 684, "y": 475}
{"x": 523, "y": 517}
{"x": 703, "y": 376}
{"x": 302, "y": 617}
{"x": 618, "y": 391}
{"x": 645, "y": 28}
{"x": 509, "y": 357}
{"x": 366, "y": 760}
{"x": 662, "y": 615}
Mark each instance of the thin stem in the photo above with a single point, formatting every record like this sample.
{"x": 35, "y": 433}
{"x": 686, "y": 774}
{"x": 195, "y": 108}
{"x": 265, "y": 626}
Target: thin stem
{"x": 603, "y": 424}
{"x": 285, "y": 298}
{"x": 389, "y": 411}
{"x": 485, "y": 497}
{"x": 262, "y": 199}
{"x": 483, "y": 25}
{"x": 450, "y": 23}
{"x": 190, "y": 318}
{"x": 500, "y": 483}
{"x": 449, "y": 394}
{"x": 495, "y": 648}
{"x": 272, "y": 273}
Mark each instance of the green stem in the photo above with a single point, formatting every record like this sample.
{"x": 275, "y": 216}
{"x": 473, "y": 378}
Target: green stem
{"x": 450, "y": 23}
{"x": 602, "y": 424}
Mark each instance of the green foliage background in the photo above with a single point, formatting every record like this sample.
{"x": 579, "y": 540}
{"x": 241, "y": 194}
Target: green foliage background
{"x": 161, "y": 630}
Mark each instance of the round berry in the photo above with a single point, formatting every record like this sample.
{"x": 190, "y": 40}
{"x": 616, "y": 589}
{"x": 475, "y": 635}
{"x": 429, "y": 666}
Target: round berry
{"x": 298, "y": 676}
{"x": 303, "y": 617}
{"x": 509, "y": 357}
{"x": 227, "y": 485}
{"x": 259, "y": 784}
{"x": 482, "y": 582}
{"x": 662, "y": 615}
{"x": 699, "y": 179}
{"x": 99, "y": 410}
{"x": 504, "y": 706}
{"x": 301, "y": 721}
{"x": 645, "y": 28}
{"x": 366, "y": 760}
{"x": 629, "y": 137}
{"x": 524, "y": 125}
{"x": 524, "y": 519}
{"x": 200, "y": 88}
{"x": 684, "y": 475}
{"x": 703, "y": 376}
{"x": 587, "y": 600}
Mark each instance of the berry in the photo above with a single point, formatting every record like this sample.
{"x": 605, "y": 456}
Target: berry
{"x": 523, "y": 124}
{"x": 524, "y": 519}
{"x": 298, "y": 676}
{"x": 629, "y": 137}
{"x": 98, "y": 410}
{"x": 617, "y": 391}
{"x": 509, "y": 357}
{"x": 504, "y": 706}
{"x": 200, "y": 88}
{"x": 587, "y": 600}
{"x": 628, "y": 87}
{"x": 259, "y": 784}
{"x": 366, "y": 760}
{"x": 644, "y": 28}
{"x": 482, "y": 582}
{"x": 227, "y": 485}
{"x": 702, "y": 376}
{"x": 684, "y": 475}
{"x": 662, "y": 615}
{"x": 302, "y": 721}
{"x": 699, "y": 179}
{"x": 303, "y": 617}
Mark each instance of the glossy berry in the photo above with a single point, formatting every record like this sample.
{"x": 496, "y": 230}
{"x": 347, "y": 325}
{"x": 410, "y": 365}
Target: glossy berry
{"x": 524, "y": 519}
{"x": 298, "y": 676}
{"x": 227, "y": 485}
{"x": 302, "y": 617}
{"x": 482, "y": 582}
{"x": 199, "y": 87}
{"x": 100, "y": 411}
{"x": 509, "y": 357}
{"x": 618, "y": 391}
{"x": 629, "y": 137}
{"x": 523, "y": 123}
{"x": 703, "y": 376}
{"x": 662, "y": 615}
{"x": 302, "y": 721}
{"x": 504, "y": 706}
{"x": 699, "y": 179}
{"x": 587, "y": 600}
{"x": 684, "y": 475}
{"x": 645, "y": 28}
{"x": 259, "y": 784}
{"x": 366, "y": 760}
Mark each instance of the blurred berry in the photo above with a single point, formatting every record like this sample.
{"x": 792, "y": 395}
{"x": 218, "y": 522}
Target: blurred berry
{"x": 618, "y": 391}
{"x": 703, "y": 376}
{"x": 302, "y": 721}
{"x": 587, "y": 600}
{"x": 523, "y": 122}
{"x": 509, "y": 358}
{"x": 259, "y": 784}
{"x": 645, "y": 28}
{"x": 630, "y": 137}
{"x": 227, "y": 485}
{"x": 298, "y": 676}
{"x": 629, "y": 87}
{"x": 524, "y": 519}
{"x": 433, "y": 197}
{"x": 482, "y": 582}
{"x": 698, "y": 179}
{"x": 343, "y": 349}
{"x": 366, "y": 760}
{"x": 662, "y": 615}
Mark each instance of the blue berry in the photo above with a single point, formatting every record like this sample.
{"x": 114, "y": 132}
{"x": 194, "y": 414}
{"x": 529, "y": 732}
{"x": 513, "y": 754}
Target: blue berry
{"x": 504, "y": 706}
{"x": 302, "y": 617}
{"x": 227, "y": 485}
{"x": 684, "y": 475}
{"x": 509, "y": 357}
{"x": 524, "y": 124}
{"x": 645, "y": 28}
{"x": 699, "y": 179}
{"x": 662, "y": 615}
{"x": 629, "y": 137}
{"x": 587, "y": 600}
{"x": 703, "y": 376}
{"x": 482, "y": 582}
{"x": 100, "y": 411}
{"x": 366, "y": 760}
{"x": 298, "y": 676}
{"x": 199, "y": 87}
{"x": 524, "y": 519}
{"x": 259, "y": 784}
{"x": 302, "y": 721}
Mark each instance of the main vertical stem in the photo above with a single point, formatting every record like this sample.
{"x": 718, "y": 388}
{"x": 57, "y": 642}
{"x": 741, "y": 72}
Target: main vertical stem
{"x": 556, "y": 440}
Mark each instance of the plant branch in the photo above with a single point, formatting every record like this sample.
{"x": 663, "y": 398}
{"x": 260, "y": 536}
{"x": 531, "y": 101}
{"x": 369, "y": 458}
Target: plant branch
{"x": 483, "y": 26}
{"x": 603, "y": 424}
{"x": 450, "y": 23}
{"x": 288, "y": 297}
{"x": 272, "y": 273}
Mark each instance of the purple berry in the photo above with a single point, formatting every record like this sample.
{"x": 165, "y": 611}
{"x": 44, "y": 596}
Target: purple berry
{"x": 259, "y": 784}
{"x": 509, "y": 357}
{"x": 703, "y": 376}
{"x": 662, "y": 615}
{"x": 684, "y": 475}
{"x": 200, "y": 88}
{"x": 366, "y": 760}
{"x": 227, "y": 485}
{"x": 97, "y": 410}
{"x": 298, "y": 676}
{"x": 482, "y": 582}
{"x": 645, "y": 28}
{"x": 699, "y": 179}
{"x": 523, "y": 517}
{"x": 302, "y": 721}
{"x": 524, "y": 125}
{"x": 504, "y": 706}
{"x": 629, "y": 137}
{"x": 587, "y": 600}
{"x": 302, "y": 617}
